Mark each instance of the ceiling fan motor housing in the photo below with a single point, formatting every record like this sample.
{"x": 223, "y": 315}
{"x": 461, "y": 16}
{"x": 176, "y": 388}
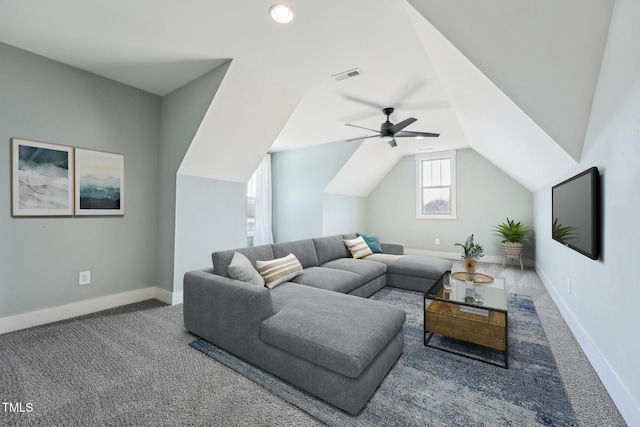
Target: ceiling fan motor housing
{"x": 383, "y": 128}
{"x": 386, "y": 125}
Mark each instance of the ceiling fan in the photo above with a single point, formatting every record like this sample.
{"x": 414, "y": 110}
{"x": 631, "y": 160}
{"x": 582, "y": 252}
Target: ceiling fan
{"x": 389, "y": 132}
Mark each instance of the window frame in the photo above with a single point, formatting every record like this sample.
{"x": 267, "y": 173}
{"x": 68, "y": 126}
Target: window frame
{"x": 452, "y": 186}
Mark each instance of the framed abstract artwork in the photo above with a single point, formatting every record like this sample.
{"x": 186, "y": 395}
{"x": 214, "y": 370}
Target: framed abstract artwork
{"x": 42, "y": 178}
{"x": 99, "y": 183}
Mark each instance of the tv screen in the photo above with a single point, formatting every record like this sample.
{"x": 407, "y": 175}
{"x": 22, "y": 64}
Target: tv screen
{"x": 575, "y": 207}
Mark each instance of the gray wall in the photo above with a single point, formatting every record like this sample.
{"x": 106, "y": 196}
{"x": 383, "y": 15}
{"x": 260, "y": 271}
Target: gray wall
{"x": 211, "y": 215}
{"x": 343, "y": 214}
{"x": 299, "y": 178}
{"x": 181, "y": 114}
{"x": 602, "y": 306}
{"x": 485, "y": 197}
{"x": 40, "y": 258}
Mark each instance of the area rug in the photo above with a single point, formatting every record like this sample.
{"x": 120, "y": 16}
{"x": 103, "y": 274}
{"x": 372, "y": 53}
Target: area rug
{"x": 430, "y": 387}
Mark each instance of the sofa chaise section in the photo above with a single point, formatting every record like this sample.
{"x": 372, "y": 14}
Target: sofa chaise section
{"x": 413, "y": 272}
{"x": 283, "y": 329}
{"x": 344, "y": 342}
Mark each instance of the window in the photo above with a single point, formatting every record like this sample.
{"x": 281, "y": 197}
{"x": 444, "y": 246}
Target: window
{"x": 259, "y": 212}
{"x": 436, "y": 185}
{"x": 251, "y": 206}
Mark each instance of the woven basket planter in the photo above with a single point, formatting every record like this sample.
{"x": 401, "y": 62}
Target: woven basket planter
{"x": 512, "y": 251}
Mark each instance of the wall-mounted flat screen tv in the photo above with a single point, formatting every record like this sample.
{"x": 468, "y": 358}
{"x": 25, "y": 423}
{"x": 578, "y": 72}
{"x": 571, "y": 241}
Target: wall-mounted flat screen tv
{"x": 575, "y": 207}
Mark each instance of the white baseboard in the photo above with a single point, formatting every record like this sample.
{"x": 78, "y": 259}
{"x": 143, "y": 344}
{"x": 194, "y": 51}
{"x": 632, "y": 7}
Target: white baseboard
{"x": 456, "y": 256}
{"x": 80, "y": 308}
{"x": 168, "y": 297}
{"x": 619, "y": 394}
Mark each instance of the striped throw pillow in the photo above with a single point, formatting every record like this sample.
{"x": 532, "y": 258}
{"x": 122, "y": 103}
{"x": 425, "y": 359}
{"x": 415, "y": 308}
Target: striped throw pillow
{"x": 358, "y": 247}
{"x": 279, "y": 270}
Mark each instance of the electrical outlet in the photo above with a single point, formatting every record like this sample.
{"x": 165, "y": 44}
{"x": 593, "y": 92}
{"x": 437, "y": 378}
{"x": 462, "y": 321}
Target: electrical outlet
{"x": 84, "y": 278}
{"x": 569, "y": 285}
{"x": 437, "y": 241}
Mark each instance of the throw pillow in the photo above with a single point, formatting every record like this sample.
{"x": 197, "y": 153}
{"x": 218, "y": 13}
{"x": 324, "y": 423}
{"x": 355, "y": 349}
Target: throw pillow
{"x": 358, "y": 247}
{"x": 241, "y": 268}
{"x": 372, "y": 241}
{"x": 279, "y": 270}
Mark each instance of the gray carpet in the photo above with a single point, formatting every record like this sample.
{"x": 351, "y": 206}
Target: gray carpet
{"x": 133, "y": 366}
{"x": 428, "y": 387}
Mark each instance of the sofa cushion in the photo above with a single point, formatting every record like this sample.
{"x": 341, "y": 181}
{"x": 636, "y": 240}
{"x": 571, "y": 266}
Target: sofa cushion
{"x": 367, "y": 270}
{"x": 392, "y": 248}
{"x": 222, "y": 259}
{"x": 242, "y": 269}
{"x": 330, "y": 279}
{"x": 330, "y": 247}
{"x": 358, "y": 247}
{"x": 340, "y": 332}
{"x": 281, "y": 295}
{"x": 304, "y": 250}
{"x": 279, "y": 270}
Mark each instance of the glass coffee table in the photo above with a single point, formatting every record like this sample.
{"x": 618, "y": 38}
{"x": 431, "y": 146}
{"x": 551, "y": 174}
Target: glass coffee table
{"x": 455, "y": 313}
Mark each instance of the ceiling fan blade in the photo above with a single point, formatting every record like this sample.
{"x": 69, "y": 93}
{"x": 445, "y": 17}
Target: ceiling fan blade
{"x": 392, "y": 142}
{"x": 406, "y": 133}
{"x": 431, "y": 105}
{"x": 399, "y": 126}
{"x": 362, "y": 137}
{"x": 362, "y": 101}
{"x": 409, "y": 90}
{"x": 372, "y": 130}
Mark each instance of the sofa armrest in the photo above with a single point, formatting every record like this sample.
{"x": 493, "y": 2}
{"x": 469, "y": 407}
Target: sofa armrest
{"x": 224, "y": 311}
{"x": 392, "y": 248}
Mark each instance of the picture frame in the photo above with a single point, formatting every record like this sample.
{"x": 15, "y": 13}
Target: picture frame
{"x": 99, "y": 182}
{"x": 42, "y": 179}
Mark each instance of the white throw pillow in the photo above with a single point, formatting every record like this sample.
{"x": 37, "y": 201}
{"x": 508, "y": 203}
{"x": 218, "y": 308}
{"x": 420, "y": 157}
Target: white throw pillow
{"x": 279, "y": 270}
{"x": 358, "y": 247}
{"x": 241, "y": 268}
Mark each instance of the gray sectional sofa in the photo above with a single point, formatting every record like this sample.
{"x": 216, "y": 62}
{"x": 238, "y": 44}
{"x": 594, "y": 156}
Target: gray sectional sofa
{"x": 315, "y": 331}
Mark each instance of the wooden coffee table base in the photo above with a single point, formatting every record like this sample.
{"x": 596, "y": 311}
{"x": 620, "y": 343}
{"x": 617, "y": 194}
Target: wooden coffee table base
{"x": 446, "y": 319}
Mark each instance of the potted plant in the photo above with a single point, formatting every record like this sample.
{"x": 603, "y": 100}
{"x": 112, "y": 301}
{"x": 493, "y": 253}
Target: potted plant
{"x": 472, "y": 252}
{"x": 512, "y": 239}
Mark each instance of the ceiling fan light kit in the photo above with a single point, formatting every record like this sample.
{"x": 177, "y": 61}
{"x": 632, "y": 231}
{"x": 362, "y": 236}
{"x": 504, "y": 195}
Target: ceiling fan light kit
{"x": 389, "y": 132}
{"x": 281, "y": 13}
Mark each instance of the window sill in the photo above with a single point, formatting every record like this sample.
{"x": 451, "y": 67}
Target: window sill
{"x": 437, "y": 216}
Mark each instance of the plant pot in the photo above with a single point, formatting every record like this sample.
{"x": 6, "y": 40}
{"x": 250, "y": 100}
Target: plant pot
{"x": 512, "y": 251}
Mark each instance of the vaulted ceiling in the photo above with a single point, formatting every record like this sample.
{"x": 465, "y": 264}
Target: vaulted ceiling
{"x": 512, "y": 79}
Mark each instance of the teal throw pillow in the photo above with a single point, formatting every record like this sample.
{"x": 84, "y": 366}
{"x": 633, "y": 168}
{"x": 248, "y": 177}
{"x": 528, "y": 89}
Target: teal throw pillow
{"x": 372, "y": 241}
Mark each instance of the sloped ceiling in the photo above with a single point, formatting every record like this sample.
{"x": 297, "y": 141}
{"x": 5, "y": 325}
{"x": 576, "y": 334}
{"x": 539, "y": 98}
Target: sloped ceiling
{"x": 493, "y": 124}
{"x": 543, "y": 55}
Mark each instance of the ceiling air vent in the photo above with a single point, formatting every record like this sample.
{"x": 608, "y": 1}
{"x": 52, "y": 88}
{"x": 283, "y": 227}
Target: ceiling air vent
{"x": 347, "y": 74}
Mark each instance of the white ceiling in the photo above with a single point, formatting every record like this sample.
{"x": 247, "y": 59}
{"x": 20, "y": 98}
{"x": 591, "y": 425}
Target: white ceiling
{"x": 544, "y": 55}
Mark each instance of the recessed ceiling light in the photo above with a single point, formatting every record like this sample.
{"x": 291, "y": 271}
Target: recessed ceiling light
{"x": 281, "y": 13}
